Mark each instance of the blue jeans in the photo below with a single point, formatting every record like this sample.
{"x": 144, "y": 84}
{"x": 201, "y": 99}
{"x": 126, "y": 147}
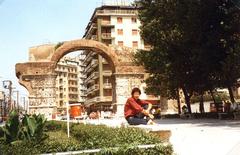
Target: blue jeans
{"x": 138, "y": 118}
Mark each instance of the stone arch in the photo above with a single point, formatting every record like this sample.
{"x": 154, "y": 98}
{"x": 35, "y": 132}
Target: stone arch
{"x": 38, "y": 74}
{"x": 83, "y": 44}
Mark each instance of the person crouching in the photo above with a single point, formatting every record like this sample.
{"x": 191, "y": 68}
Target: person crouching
{"x": 137, "y": 111}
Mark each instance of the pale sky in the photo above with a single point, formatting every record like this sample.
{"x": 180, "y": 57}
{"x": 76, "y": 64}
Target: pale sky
{"x": 27, "y": 23}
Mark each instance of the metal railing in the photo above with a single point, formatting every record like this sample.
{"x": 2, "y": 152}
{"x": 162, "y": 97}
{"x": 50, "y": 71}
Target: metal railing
{"x": 107, "y": 85}
{"x": 106, "y": 36}
{"x": 132, "y": 12}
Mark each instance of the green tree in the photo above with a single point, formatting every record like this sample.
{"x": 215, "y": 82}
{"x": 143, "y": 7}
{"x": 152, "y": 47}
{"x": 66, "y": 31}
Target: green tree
{"x": 188, "y": 48}
{"x": 230, "y": 42}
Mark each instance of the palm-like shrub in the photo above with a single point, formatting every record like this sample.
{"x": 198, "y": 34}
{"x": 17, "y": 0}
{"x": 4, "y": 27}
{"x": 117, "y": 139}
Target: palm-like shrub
{"x": 12, "y": 129}
{"x": 31, "y": 128}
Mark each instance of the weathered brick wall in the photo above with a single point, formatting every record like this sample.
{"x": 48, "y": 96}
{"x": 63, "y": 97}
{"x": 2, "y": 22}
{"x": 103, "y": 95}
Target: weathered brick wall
{"x": 124, "y": 85}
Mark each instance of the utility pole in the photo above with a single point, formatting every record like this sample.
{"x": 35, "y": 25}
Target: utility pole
{"x": 17, "y": 91}
{"x": 24, "y": 104}
{"x": 5, "y": 105}
{"x": 9, "y": 87}
{"x": 2, "y": 103}
{"x": 18, "y": 100}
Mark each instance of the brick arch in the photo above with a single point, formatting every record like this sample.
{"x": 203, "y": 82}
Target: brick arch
{"x": 83, "y": 44}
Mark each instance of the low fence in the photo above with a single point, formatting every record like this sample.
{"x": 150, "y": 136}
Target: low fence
{"x": 98, "y": 150}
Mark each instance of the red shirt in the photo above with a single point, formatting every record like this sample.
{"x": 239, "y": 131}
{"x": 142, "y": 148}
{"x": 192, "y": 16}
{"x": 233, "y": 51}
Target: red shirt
{"x": 133, "y": 107}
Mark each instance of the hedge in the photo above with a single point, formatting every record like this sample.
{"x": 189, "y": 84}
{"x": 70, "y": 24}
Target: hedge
{"x": 111, "y": 141}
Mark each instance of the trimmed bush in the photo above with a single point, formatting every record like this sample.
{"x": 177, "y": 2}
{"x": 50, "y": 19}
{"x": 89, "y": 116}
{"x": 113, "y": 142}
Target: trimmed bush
{"x": 19, "y": 147}
{"x": 130, "y": 150}
{"x": 54, "y": 125}
{"x": 92, "y": 136}
{"x": 112, "y": 141}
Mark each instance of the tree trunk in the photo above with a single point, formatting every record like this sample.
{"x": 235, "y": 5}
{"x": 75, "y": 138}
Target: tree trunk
{"x": 187, "y": 100}
{"x": 231, "y": 94}
{"x": 201, "y": 105}
{"x": 178, "y": 103}
{"x": 213, "y": 96}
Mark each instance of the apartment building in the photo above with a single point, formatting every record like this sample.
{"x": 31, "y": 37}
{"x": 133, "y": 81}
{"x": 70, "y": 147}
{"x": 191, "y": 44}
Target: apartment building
{"x": 69, "y": 81}
{"x": 111, "y": 25}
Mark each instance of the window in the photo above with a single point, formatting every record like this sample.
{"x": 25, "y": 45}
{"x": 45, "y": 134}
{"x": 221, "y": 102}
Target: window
{"x": 135, "y": 44}
{"x": 120, "y": 31}
{"x": 134, "y": 32}
{"x": 120, "y": 43}
{"x": 119, "y": 20}
{"x": 134, "y": 20}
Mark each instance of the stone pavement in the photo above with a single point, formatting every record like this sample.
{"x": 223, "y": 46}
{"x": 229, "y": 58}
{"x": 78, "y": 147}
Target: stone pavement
{"x": 203, "y": 136}
{"x": 195, "y": 136}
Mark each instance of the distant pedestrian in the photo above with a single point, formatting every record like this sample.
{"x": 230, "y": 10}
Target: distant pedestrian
{"x": 184, "y": 109}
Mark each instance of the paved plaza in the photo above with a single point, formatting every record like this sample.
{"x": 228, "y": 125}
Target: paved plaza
{"x": 195, "y": 136}
{"x": 203, "y": 137}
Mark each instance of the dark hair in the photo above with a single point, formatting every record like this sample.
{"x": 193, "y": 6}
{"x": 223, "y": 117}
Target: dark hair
{"x": 135, "y": 90}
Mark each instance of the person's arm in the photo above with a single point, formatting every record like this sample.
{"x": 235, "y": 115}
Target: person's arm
{"x": 149, "y": 105}
{"x": 137, "y": 107}
{"x": 145, "y": 112}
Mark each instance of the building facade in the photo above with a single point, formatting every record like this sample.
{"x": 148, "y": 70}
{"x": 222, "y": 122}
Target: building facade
{"x": 111, "y": 25}
{"x": 69, "y": 82}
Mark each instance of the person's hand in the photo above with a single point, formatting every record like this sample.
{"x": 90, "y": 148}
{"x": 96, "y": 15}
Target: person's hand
{"x": 151, "y": 116}
{"x": 148, "y": 111}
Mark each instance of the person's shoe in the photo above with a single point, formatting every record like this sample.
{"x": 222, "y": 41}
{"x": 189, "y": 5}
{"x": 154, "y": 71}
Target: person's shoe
{"x": 151, "y": 122}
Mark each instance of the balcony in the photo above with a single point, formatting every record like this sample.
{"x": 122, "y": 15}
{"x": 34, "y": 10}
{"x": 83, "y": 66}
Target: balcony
{"x": 73, "y": 99}
{"x": 99, "y": 99}
{"x": 73, "y": 92}
{"x": 83, "y": 88}
{"x": 93, "y": 88}
{"x": 87, "y": 58}
{"x": 73, "y": 79}
{"x": 104, "y": 61}
{"x": 72, "y": 85}
{"x": 91, "y": 65}
{"x": 106, "y": 36}
{"x": 92, "y": 77}
{"x": 61, "y": 70}
{"x": 107, "y": 73}
{"x": 106, "y": 23}
{"x": 95, "y": 75}
{"x": 94, "y": 37}
{"x": 82, "y": 76}
{"x": 107, "y": 86}
{"x": 91, "y": 28}
{"x": 84, "y": 95}
{"x": 72, "y": 72}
